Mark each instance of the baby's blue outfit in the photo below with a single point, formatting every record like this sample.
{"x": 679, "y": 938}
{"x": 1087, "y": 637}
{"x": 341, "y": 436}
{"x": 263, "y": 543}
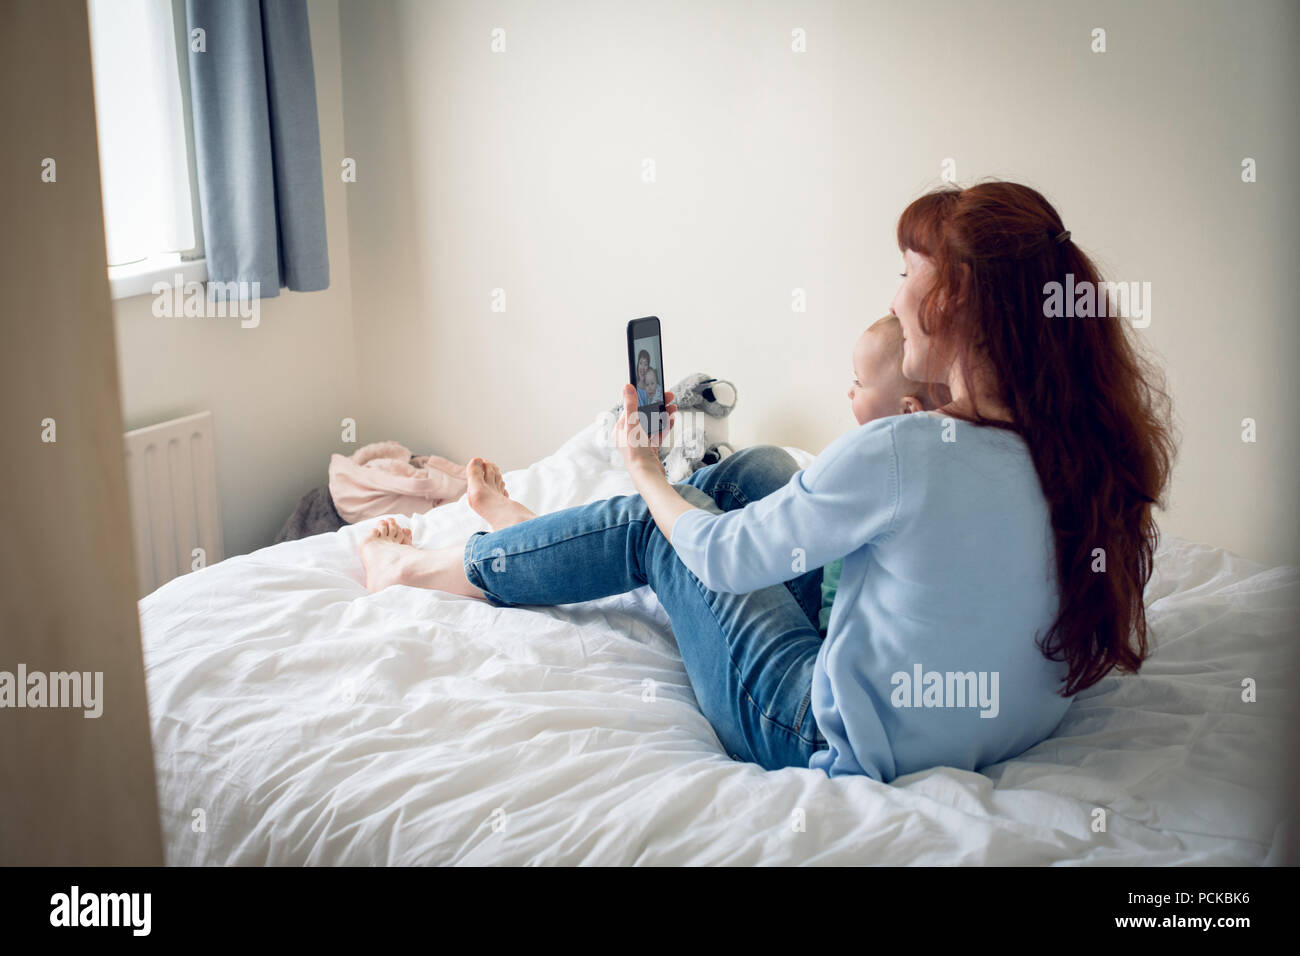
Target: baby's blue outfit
{"x": 948, "y": 577}
{"x": 830, "y": 584}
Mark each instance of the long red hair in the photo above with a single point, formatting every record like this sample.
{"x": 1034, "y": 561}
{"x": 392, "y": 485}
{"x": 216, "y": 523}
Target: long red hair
{"x": 1092, "y": 409}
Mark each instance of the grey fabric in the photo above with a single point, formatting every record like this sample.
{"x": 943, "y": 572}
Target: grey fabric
{"x": 315, "y": 514}
{"x": 257, "y": 144}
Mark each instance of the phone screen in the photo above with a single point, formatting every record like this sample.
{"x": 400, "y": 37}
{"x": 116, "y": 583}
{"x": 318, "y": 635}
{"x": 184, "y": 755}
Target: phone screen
{"x": 648, "y": 377}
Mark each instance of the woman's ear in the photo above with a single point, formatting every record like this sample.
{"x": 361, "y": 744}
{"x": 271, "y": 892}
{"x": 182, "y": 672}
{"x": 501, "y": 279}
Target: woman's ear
{"x": 909, "y": 405}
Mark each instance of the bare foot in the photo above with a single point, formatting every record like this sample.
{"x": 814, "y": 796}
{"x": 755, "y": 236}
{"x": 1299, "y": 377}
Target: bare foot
{"x": 390, "y": 559}
{"x": 488, "y": 496}
{"x": 387, "y": 554}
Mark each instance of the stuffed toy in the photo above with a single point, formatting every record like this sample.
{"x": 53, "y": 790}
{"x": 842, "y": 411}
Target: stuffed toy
{"x": 698, "y": 437}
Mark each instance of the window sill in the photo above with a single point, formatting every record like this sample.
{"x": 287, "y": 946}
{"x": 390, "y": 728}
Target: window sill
{"x": 138, "y": 278}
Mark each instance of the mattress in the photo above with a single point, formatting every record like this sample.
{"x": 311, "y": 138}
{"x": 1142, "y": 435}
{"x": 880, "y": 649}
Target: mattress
{"x": 299, "y": 719}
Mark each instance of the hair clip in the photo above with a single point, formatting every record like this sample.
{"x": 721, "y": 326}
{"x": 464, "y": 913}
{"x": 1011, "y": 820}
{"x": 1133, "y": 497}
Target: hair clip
{"x": 1064, "y": 234}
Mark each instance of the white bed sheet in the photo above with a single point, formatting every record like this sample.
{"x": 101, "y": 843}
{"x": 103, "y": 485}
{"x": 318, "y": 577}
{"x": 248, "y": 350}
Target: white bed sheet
{"x": 299, "y": 719}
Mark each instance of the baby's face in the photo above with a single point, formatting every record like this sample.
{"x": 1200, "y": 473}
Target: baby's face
{"x": 878, "y": 386}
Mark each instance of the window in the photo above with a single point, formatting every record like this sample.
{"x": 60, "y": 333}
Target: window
{"x": 146, "y": 149}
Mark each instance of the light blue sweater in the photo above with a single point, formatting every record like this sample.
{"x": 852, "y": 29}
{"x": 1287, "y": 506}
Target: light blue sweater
{"x": 948, "y": 578}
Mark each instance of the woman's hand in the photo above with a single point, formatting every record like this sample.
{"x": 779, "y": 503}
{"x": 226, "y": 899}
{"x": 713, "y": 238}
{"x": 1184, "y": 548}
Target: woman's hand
{"x": 641, "y": 456}
{"x": 640, "y": 450}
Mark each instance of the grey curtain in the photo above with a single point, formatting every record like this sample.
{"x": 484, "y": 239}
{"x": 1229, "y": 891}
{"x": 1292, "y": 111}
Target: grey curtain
{"x": 257, "y": 144}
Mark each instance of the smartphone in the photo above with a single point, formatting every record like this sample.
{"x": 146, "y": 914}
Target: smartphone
{"x": 645, "y": 363}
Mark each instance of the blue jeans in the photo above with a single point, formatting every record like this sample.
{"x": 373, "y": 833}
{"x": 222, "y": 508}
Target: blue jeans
{"x": 749, "y": 656}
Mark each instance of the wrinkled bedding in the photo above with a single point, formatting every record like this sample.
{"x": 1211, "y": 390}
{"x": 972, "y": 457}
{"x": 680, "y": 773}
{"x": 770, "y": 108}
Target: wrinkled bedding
{"x": 299, "y": 719}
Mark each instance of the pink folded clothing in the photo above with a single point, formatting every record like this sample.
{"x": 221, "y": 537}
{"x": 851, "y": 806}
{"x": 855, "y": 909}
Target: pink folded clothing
{"x": 385, "y": 479}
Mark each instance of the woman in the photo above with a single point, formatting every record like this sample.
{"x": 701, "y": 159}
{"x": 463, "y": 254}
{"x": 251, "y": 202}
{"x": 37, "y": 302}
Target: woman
{"x": 994, "y": 552}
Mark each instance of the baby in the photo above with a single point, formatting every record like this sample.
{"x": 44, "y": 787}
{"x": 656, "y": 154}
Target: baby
{"x": 649, "y": 390}
{"x": 879, "y": 390}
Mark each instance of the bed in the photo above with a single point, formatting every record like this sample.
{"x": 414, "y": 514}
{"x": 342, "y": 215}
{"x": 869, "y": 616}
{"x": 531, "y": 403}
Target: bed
{"x": 299, "y": 719}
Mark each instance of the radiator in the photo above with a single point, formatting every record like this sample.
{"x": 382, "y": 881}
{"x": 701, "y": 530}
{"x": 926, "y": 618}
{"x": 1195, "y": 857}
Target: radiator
{"x": 175, "y": 514}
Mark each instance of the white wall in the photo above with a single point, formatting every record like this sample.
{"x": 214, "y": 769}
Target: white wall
{"x": 774, "y": 171}
{"x": 277, "y": 391}
{"x": 1140, "y": 150}
{"x": 522, "y": 170}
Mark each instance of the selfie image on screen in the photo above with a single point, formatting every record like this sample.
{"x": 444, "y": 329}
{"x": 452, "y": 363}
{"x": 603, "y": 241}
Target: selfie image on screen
{"x": 649, "y": 372}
